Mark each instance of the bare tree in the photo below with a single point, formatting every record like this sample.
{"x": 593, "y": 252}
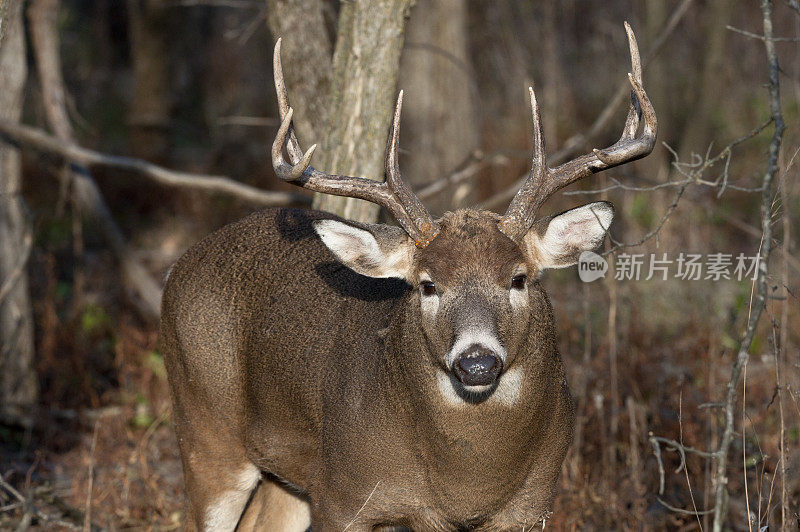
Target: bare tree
{"x": 18, "y": 385}
{"x": 151, "y": 105}
{"x": 759, "y": 302}
{"x": 363, "y": 86}
{"x": 440, "y": 124}
{"x": 307, "y": 53}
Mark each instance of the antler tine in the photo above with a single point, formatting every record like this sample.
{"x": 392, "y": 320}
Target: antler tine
{"x": 543, "y": 182}
{"x": 392, "y": 160}
{"x": 519, "y": 214}
{"x": 419, "y": 215}
{"x": 284, "y": 170}
{"x": 293, "y": 146}
{"x": 394, "y": 195}
{"x": 634, "y": 111}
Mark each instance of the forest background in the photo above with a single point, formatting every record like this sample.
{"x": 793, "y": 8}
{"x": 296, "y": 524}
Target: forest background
{"x": 129, "y": 109}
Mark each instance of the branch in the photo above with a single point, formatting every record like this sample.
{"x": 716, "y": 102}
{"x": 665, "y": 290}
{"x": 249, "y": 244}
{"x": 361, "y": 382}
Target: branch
{"x": 758, "y": 304}
{"x": 474, "y": 163}
{"x": 30, "y": 510}
{"x": 40, "y": 141}
{"x": 44, "y": 35}
{"x": 760, "y": 37}
{"x": 693, "y": 173}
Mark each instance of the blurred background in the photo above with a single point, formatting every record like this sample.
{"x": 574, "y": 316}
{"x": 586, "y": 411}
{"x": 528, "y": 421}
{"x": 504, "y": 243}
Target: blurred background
{"x": 85, "y": 433}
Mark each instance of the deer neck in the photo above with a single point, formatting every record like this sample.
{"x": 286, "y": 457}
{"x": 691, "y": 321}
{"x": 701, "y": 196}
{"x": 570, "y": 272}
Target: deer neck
{"x": 474, "y": 451}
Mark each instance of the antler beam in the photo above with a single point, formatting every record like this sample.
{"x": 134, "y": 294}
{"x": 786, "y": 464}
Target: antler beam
{"x": 394, "y": 194}
{"x": 543, "y": 182}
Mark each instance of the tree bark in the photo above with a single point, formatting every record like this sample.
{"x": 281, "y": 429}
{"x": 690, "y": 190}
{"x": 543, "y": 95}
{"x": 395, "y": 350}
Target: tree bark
{"x": 440, "y": 125}
{"x": 361, "y": 98}
{"x": 18, "y": 383}
{"x": 151, "y": 106}
{"x": 306, "y": 52}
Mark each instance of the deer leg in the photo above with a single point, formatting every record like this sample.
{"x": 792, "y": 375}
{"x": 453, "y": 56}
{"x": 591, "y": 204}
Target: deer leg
{"x": 217, "y": 502}
{"x": 219, "y": 477}
{"x": 274, "y": 508}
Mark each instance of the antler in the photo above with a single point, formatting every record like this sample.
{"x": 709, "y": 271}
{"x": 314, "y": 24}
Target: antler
{"x": 394, "y": 194}
{"x": 543, "y": 182}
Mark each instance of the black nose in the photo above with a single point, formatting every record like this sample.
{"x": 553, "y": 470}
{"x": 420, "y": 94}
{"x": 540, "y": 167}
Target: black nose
{"x": 477, "y": 366}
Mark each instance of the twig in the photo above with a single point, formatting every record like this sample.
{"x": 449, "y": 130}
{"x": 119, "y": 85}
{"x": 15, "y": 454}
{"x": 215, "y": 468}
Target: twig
{"x": 11, "y": 489}
{"x": 30, "y": 510}
{"x": 650, "y": 234}
{"x": 720, "y": 503}
{"x": 243, "y": 34}
{"x": 254, "y": 121}
{"x": 744, "y": 450}
{"x": 657, "y": 454}
{"x": 783, "y": 337}
{"x": 686, "y": 468}
{"x": 760, "y": 37}
{"x": 87, "y": 516}
{"x": 474, "y": 163}
{"x": 671, "y": 508}
{"x": 681, "y": 449}
{"x": 692, "y": 171}
{"x": 8, "y": 507}
{"x": 42, "y": 142}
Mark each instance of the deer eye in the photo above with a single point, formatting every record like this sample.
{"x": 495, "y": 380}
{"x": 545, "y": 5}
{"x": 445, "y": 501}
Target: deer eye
{"x": 428, "y": 288}
{"x": 518, "y": 281}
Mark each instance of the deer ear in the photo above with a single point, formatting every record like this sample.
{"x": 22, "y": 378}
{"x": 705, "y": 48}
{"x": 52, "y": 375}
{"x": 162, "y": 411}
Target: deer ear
{"x": 557, "y": 241}
{"x": 374, "y": 250}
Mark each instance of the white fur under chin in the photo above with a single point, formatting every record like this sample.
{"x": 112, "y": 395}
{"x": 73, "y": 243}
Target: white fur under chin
{"x": 506, "y": 392}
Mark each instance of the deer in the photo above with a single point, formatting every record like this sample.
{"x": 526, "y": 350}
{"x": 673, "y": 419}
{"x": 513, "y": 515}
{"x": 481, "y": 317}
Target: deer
{"x": 364, "y": 376}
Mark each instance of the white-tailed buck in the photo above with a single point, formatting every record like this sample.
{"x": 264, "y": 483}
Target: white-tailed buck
{"x": 354, "y": 376}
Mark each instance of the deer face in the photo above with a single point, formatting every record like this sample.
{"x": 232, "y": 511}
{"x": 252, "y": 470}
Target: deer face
{"x": 476, "y": 290}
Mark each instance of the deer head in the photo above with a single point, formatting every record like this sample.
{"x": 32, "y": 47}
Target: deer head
{"x": 476, "y": 272}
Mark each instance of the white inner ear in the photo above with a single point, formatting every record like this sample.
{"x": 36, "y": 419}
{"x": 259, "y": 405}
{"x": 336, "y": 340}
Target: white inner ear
{"x": 570, "y": 233}
{"x": 359, "y": 250}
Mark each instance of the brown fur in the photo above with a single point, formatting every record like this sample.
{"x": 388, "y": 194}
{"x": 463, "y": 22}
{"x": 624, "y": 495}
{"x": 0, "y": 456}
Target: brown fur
{"x": 281, "y": 357}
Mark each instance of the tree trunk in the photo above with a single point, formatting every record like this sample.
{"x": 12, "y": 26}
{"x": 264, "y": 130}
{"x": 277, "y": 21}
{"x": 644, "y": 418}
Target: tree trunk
{"x": 18, "y": 384}
{"x": 306, "y": 52}
{"x": 151, "y": 107}
{"x": 361, "y": 97}
{"x": 440, "y": 126}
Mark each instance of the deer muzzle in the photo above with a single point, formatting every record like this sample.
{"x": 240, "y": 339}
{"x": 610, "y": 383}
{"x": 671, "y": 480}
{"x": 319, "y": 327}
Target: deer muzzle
{"x": 477, "y": 366}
